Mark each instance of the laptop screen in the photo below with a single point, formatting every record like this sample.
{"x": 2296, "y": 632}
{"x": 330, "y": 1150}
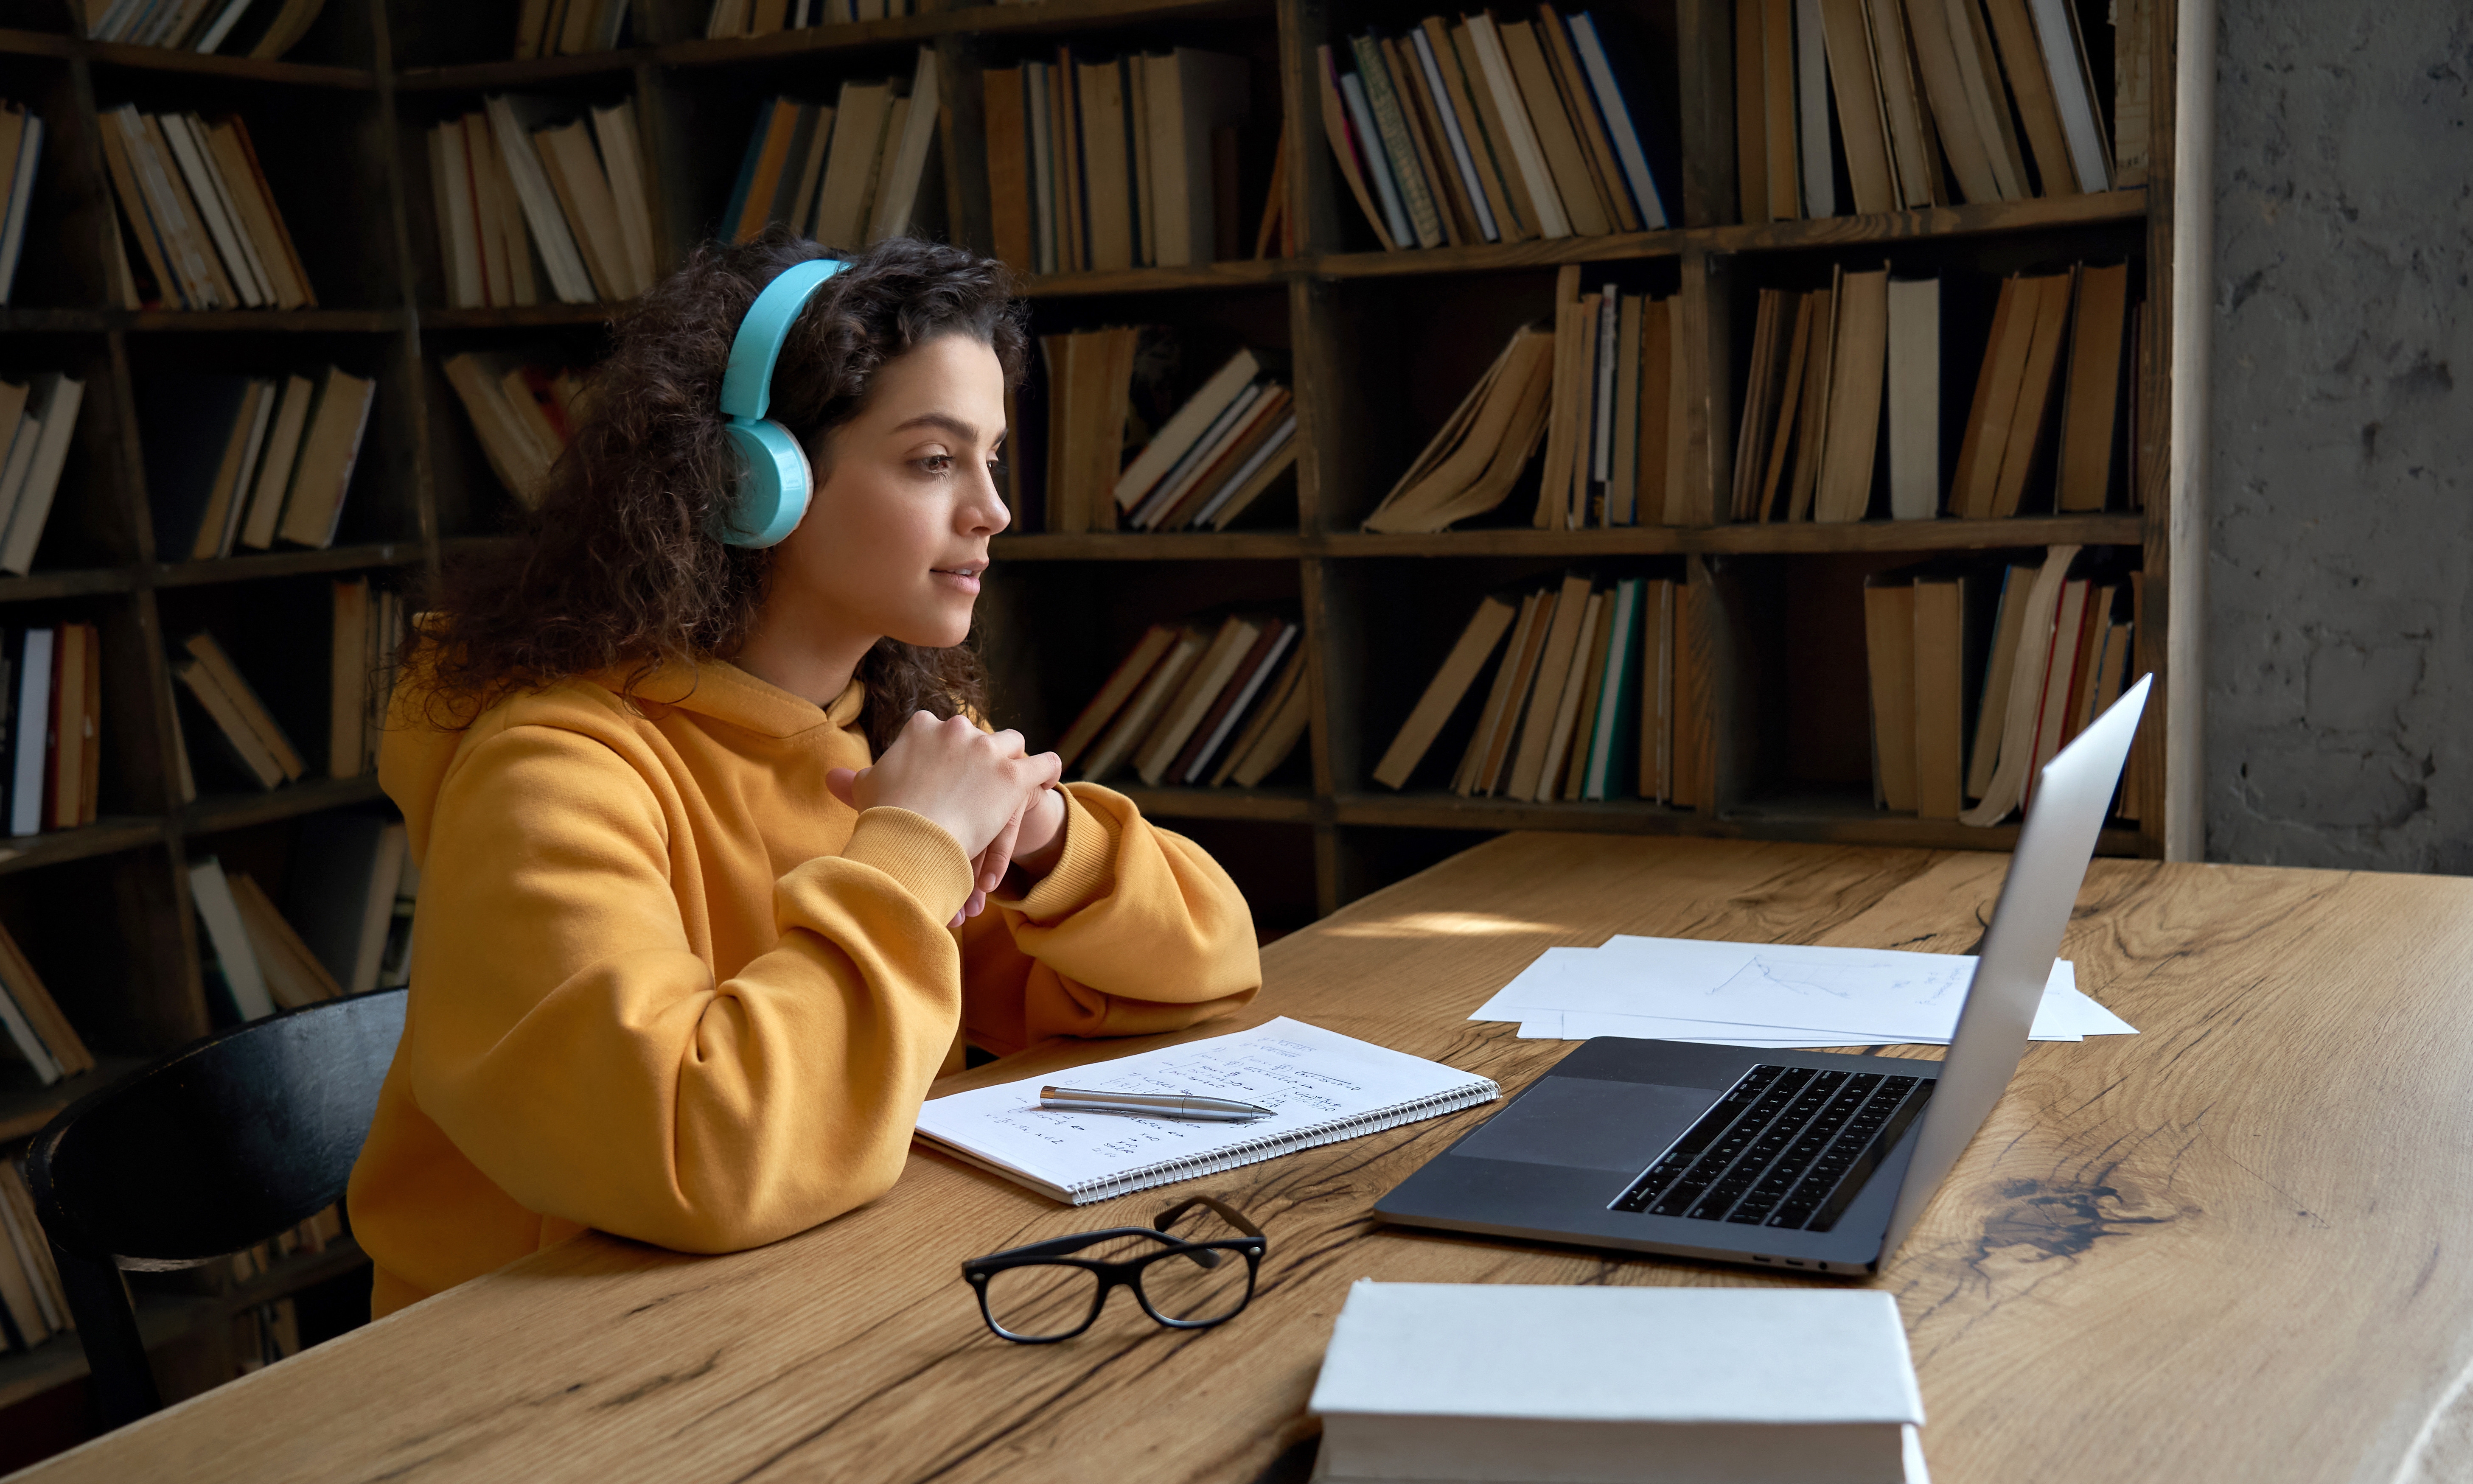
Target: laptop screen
{"x": 2063, "y": 818}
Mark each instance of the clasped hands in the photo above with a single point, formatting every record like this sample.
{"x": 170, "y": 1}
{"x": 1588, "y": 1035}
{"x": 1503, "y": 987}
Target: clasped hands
{"x": 999, "y": 802}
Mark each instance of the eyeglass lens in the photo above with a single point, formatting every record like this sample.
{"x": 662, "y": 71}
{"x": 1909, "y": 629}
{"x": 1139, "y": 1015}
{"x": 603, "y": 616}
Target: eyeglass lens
{"x": 1204, "y": 1286}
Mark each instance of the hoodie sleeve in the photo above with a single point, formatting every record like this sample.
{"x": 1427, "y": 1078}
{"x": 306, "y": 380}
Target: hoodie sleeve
{"x": 575, "y": 1046}
{"x": 1136, "y": 930}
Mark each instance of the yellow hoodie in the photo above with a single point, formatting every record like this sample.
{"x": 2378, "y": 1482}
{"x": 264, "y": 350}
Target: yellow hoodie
{"x": 665, "y": 984}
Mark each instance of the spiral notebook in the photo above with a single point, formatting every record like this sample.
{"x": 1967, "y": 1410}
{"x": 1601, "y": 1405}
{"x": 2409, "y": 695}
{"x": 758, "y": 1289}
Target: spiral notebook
{"x": 1322, "y": 1085}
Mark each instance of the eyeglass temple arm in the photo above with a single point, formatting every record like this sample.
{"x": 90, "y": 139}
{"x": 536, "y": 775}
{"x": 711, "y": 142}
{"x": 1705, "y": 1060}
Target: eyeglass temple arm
{"x": 1169, "y": 1217}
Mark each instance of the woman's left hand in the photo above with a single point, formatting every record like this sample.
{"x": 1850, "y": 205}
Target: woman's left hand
{"x": 1034, "y": 838}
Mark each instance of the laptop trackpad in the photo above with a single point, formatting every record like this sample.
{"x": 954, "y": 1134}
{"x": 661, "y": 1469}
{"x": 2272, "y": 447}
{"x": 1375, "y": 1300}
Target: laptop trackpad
{"x": 1582, "y": 1123}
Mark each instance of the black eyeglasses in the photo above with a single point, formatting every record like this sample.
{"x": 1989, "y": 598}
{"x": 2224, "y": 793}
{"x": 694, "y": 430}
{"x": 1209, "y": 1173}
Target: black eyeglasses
{"x": 1185, "y": 1280}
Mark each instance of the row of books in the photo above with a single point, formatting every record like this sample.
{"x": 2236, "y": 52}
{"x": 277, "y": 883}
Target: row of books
{"x": 525, "y": 194}
{"x": 332, "y": 936}
{"x": 40, "y": 418}
{"x": 1481, "y": 130}
{"x": 195, "y": 202}
{"x": 570, "y": 28}
{"x": 259, "y": 29}
{"x": 729, "y": 19}
{"x": 34, "y": 1306}
{"x": 1833, "y": 367}
{"x": 1583, "y": 699}
{"x": 21, "y": 153}
{"x": 36, "y": 1031}
{"x": 1197, "y": 703}
{"x": 1980, "y": 671}
{"x": 1600, "y": 390}
{"x": 247, "y": 461}
{"x": 524, "y": 412}
{"x": 1113, "y": 164}
{"x": 51, "y": 726}
{"x": 846, "y": 173}
{"x": 1914, "y": 83}
{"x": 368, "y": 630}
{"x": 1209, "y": 461}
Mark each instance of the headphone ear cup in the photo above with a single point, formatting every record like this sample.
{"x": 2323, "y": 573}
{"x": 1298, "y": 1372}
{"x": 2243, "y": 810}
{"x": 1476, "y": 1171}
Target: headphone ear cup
{"x": 774, "y": 482}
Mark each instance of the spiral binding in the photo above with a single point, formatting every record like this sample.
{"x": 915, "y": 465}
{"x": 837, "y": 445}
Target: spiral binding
{"x": 1254, "y": 1151}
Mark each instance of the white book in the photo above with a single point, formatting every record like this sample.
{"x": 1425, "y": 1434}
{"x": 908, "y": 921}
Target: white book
{"x": 896, "y": 195}
{"x": 21, "y": 453}
{"x": 459, "y": 235}
{"x": 1244, "y": 702}
{"x": 511, "y": 121}
{"x": 2056, "y": 35}
{"x": 33, "y": 701}
{"x": 1812, "y": 111}
{"x": 214, "y": 34}
{"x": 241, "y": 262}
{"x": 21, "y": 194}
{"x": 212, "y": 892}
{"x": 1616, "y": 111}
{"x": 1553, "y": 220}
{"x": 1322, "y": 1087}
{"x": 1584, "y": 1384}
{"x": 1915, "y": 399}
{"x": 56, "y": 401}
{"x": 1377, "y": 161}
{"x": 614, "y": 129}
{"x": 377, "y": 910}
{"x": 1461, "y": 159}
{"x": 1244, "y": 475}
{"x": 859, "y": 117}
{"x": 29, "y": 1045}
{"x": 1185, "y": 427}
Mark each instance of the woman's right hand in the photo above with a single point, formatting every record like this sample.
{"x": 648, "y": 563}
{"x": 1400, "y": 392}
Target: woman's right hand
{"x": 973, "y": 783}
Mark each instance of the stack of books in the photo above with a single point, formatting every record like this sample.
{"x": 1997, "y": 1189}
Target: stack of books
{"x": 260, "y": 961}
{"x": 1130, "y": 163}
{"x": 1583, "y": 699}
{"x": 1602, "y": 391}
{"x": 524, "y": 193}
{"x": 246, "y": 461}
{"x": 1835, "y": 368}
{"x": 192, "y": 196}
{"x": 1230, "y": 441}
{"x": 21, "y": 151}
{"x": 329, "y": 939}
{"x": 1197, "y": 703}
{"x": 1913, "y": 82}
{"x": 1976, "y": 683}
{"x": 1456, "y": 132}
{"x": 249, "y": 732}
{"x": 848, "y": 173}
{"x": 34, "y": 1306}
{"x": 570, "y": 28}
{"x": 35, "y": 1027}
{"x": 369, "y": 629}
{"x": 260, "y": 30}
{"x": 729, "y": 18}
{"x": 38, "y": 419}
{"x": 51, "y": 726}
{"x": 524, "y": 413}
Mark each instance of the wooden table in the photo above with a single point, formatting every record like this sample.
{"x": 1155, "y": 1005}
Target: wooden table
{"x": 2218, "y": 1249}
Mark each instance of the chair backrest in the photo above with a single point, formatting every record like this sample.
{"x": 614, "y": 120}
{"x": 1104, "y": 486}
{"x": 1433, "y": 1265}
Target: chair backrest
{"x": 220, "y": 1145}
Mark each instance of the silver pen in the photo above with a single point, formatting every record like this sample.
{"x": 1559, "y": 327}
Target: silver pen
{"x": 1152, "y": 1105}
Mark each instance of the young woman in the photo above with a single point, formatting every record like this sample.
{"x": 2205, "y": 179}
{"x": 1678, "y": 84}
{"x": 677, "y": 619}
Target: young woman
{"x": 718, "y": 869}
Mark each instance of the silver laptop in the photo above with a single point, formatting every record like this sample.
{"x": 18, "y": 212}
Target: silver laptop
{"x": 1781, "y": 1159}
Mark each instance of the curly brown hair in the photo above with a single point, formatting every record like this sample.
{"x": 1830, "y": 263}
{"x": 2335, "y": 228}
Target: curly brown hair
{"x": 614, "y": 566}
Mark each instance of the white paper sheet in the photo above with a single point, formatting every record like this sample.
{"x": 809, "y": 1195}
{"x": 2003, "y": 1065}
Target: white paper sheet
{"x": 1767, "y": 995}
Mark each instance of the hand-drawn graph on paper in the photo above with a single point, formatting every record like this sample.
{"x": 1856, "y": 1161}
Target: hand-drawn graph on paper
{"x": 1902, "y": 980}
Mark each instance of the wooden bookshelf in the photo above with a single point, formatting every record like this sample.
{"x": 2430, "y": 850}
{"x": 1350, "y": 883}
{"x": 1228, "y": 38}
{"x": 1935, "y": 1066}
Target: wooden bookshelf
{"x": 1380, "y": 351}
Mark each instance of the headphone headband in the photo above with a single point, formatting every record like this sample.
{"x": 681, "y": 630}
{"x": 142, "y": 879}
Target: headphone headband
{"x": 774, "y": 479}
{"x": 747, "y": 386}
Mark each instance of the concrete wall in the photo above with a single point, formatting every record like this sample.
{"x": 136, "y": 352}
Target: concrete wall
{"x": 2339, "y": 638}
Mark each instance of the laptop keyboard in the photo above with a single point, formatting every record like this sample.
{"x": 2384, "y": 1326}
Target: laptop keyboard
{"x": 1786, "y": 1147}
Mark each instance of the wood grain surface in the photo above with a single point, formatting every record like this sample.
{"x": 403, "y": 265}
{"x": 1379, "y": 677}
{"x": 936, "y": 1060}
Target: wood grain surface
{"x": 2214, "y": 1251}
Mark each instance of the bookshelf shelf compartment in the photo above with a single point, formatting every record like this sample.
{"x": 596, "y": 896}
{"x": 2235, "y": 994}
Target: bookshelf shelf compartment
{"x": 310, "y": 796}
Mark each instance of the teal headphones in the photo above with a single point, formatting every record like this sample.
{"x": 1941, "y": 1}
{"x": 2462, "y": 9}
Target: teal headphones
{"x": 775, "y": 479}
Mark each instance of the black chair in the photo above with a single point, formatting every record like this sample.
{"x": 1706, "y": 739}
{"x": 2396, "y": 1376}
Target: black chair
{"x": 210, "y": 1151}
